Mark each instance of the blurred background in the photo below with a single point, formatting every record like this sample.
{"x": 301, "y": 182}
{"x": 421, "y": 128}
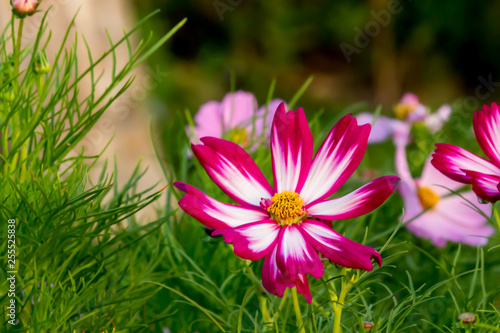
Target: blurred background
{"x": 358, "y": 51}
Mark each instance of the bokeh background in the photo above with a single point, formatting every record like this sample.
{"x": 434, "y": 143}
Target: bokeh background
{"x": 436, "y": 49}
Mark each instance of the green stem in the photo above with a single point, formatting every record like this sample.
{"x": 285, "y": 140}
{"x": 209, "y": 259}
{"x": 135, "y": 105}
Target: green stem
{"x": 16, "y": 120}
{"x": 340, "y": 301}
{"x": 282, "y": 304}
{"x": 262, "y": 302}
{"x": 17, "y": 50}
{"x": 263, "y": 308}
{"x": 495, "y": 213}
{"x": 296, "y": 306}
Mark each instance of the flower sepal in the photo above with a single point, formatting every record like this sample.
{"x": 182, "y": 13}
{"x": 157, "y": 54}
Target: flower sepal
{"x": 23, "y": 8}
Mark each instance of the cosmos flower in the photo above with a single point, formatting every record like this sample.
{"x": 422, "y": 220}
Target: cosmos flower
{"x": 465, "y": 167}
{"x": 408, "y": 111}
{"x": 284, "y": 223}
{"x": 449, "y": 217}
{"x": 237, "y": 118}
{"x": 24, "y": 7}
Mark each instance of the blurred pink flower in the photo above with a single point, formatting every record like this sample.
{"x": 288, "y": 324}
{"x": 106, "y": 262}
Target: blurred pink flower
{"x": 25, "y": 7}
{"x": 450, "y": 217}
{"x": 408, "y": 111}
{"x": 284, "y": 223}
{"x": 465, "y": 167}
{"x": 237, "y": 118}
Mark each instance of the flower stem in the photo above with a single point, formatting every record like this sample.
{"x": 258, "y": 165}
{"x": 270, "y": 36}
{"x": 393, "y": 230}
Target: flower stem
{"x": 495, "y": 213}
{"x": 17, "y": 51}
{"x": 296, "y": 306}
{"x": 340, "y": 300}
{"x": 262, "y": 302}
{"x": 16, "y": 120}
{"x": 263, "y": 308}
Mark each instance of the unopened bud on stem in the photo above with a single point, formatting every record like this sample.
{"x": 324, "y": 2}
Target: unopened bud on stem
{"x": 23, "y": 8}
{"x": 367, "y": 326}
{"x": 42, "y": 65}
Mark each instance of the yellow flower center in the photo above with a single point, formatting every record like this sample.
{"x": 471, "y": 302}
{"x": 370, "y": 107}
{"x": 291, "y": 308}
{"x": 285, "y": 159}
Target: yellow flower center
{"x": 287, "y": 208}
{"x": 403, "y": 110}
{"x": 239, "y": 136}
{"x": 428, "y": 198}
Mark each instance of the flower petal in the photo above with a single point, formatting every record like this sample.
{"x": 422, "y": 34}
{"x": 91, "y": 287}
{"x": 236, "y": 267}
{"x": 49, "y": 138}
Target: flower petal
{"x": 273, "y": 281}
{"x": 265, "y": 116}
{"x": 208, "y": 122}
{"x": 485, "y": 186}
{"x": 213, "y": 213}
{"x": 251, "y": 241}
{"x": 336, "y": 160}
{"x": 238, "y": 109}
{"x": 272, "y": 278}
{"x": 487, "y": 129}
{"x": 452, "y": 220}
{"x": 357, "y": 203}
{"x": 407, "y": 187}
{"x": 438, "y": 182}
{"x": 233, "y": 170}
{"x": 435, "y": 121}
{"x": 457, "y": 208}
{"x": 338, "y": 248}
{"x": 453, "y": 161}
{"x": 302, "y": 284}
{"x": 291, "y": 148}
{"x": 296, "y": 256}
{"x": 382, "y": 129}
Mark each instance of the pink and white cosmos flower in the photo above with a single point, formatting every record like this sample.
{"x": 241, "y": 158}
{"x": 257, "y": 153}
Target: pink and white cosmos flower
{"x": 237, "y": 118}
{"x": 283, "y": 223}
{"x": 468, "y": 168}
{"x": 437, "y": 214}
{"x": 408, "y": 111}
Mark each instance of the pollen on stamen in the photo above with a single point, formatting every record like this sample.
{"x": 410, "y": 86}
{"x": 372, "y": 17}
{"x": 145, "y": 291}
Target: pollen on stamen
{"x": 287, "y": 207}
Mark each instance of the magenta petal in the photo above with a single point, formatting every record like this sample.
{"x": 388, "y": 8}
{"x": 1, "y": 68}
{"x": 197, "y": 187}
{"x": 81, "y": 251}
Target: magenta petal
{"x": 438, "y": 182}
{"x": 291, "y": 148}
{"x": 238, "y": 109}
{"x": 233, "y": 170}
{"x": 273, "y": 281}
{"x": 272, "y": 278}
{"x": 487, "y": 129}
{"x": 215, "y": 214}
{"x": 357, "y": 203}
{"x": 251, "y": 241}
{"x": 265, "y": 116}
{"x": 338, "y": 248}
{"x": 296, "y": 256}
{"x": 453, "y": 161}
{"x": 485, "y": 186}
{"x": 336, "y": 160}
{"x": 302, "y": 284}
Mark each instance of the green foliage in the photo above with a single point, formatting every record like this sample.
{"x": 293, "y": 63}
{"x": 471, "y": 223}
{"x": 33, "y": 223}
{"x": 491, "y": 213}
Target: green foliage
{"x": 82, "y": 257}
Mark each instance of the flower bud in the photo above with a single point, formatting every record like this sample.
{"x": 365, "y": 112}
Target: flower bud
{"x": 367, "y": 326}
{"x": 7, "y": 94}
{"x": 23, "y": 8}
{"x": 467, "y": 318}
{"x": 42, "y": 65}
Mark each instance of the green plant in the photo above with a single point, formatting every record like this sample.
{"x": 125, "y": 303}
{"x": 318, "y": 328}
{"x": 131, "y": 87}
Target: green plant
{"x": 80, "y": 253}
